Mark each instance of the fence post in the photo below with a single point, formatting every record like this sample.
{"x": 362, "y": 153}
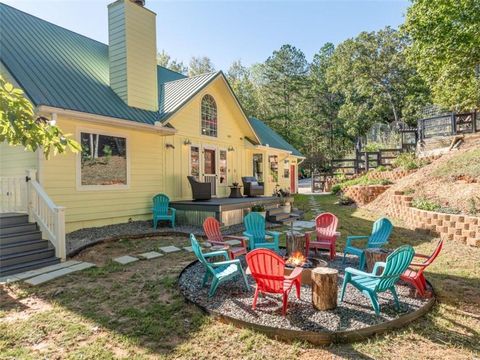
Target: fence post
{"x": 60, "y": 249}
{"x": 367, "y": 163}
{"x": 454, "y": 126}
{"x": 474, "y": 121}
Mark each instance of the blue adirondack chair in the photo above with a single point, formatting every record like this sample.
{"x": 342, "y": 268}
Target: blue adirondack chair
{"x": 382, "y": 228}
{"x": 161, "y": 211}
{"x": 257, "y": 235}
{"x": 370, "y": 284}
{"x": 219, "y": 271}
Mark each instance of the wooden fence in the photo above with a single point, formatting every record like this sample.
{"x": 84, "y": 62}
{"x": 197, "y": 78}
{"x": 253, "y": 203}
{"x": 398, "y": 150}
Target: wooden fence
{"x": 451, "y": 124}
{"x": 364, "y": 161}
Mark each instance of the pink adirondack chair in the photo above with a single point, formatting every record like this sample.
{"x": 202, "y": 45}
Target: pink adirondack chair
{"x": 326, "y": 234}
{"x": 211, "y": 227}
{"x": 414, "y": 274}
{"x": 267, "y": 268}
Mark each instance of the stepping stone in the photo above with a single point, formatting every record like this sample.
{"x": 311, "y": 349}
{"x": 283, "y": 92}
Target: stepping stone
{"x": 40, "y": 279}
{"x": 150, "y": 255}
{"x": 127, "y": 259}
{"x": 169, "y": 249}
{"x": 206, "y": 244}
{"x": 7, "y": 279}
{"x": 188, "y": 248}
{"x": 233, "y": 242}
{"x": 46, "y": 269}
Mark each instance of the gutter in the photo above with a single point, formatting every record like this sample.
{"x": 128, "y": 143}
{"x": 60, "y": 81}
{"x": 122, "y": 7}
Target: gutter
{"x": 107, "y": 120}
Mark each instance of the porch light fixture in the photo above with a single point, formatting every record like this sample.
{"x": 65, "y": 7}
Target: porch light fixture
{"x": 230, "y": 148}
{"x": 187, "y": 142}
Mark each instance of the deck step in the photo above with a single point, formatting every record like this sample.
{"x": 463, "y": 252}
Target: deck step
{"x": 23, "y": 246}
{"x": 278, "y": 217}
{"x": 11, "y": 219}
{"x": 20, "y": 237}
{"x": 31, "y": 265}
{"x": 18, "y": 228}
{"x": 25, "y": 257}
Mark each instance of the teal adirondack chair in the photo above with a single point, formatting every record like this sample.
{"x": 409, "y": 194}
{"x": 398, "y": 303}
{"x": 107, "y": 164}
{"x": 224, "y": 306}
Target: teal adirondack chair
{"x": 257, "y": 235}
{"x": 219, "y": 271}
{"x": 382, "y": 228}
{"x": 370, "y": 284}
{"x": 161, "y": 211}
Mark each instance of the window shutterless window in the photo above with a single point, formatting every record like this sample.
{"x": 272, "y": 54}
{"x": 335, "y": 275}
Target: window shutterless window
{"x": 195, "y": 161}
{"x": 223, "y": 167}
{"x": 103, "y": 160}
{"x": 209, "y": 116}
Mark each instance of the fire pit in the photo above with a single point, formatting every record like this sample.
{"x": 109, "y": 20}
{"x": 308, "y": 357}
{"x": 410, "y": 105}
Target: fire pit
{"x": 298, "y": 259}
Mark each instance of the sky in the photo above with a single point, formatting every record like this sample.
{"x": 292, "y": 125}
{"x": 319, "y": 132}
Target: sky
{"x": 227, "y": 31}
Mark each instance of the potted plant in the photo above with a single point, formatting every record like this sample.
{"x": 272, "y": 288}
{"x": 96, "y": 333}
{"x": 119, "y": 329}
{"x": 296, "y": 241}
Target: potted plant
{"x": 260, "y": 209}
{"x": 284, "y": 195}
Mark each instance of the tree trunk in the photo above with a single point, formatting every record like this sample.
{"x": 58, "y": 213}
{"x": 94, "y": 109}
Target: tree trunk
{"x": 324, "y": 288}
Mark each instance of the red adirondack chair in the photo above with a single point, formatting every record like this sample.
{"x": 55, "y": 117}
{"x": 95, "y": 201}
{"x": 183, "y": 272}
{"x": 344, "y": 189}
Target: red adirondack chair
{"x": 267, "y": 268}
{"x": 414, "y": 274}
{"x": 211, "y": 226}
{"x": 326, "y": 234}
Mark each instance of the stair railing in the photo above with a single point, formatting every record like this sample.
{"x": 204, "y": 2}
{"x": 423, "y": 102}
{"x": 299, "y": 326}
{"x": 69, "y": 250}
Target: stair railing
{"x": 49, "y": 217}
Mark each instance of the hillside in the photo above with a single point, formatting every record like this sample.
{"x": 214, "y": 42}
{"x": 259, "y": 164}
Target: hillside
{"x": 452, "y": 181}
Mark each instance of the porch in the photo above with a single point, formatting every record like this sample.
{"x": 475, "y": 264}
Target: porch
{"x": 229, "y": 211}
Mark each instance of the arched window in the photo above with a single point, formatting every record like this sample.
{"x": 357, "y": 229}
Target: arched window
{"x": 209, "y": 116}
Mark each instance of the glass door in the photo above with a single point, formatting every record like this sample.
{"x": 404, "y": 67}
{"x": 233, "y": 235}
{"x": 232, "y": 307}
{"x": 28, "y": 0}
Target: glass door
{"x": 210, "y": 168}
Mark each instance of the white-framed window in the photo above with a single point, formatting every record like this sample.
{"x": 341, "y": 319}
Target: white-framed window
{"x": 286, "y": 169}
{"x": 258, "y": 166}
{"x": 209, "y": 116}
{"x": 222, "y": 167}
{"x": 103, "y": 162}
{"x": 195, "y": 161}
{"x": 273, "y": 165}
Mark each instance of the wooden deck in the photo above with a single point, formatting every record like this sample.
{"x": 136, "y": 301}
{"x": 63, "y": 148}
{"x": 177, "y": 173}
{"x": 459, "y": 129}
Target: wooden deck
{"x": 229, "y": 211}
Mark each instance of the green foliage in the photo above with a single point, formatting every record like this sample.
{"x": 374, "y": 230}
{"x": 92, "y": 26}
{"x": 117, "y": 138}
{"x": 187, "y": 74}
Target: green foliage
{"x": 165, "y": 60}
{"x": 408, "y": 161}
{"x": 258, "y": 208}
{"x": 200, "y": 65}
{"x": 385, "y": 182}
{"x": 20, "y": 126}
{"x": 409, "y": 191}
{"x": 336, "y": 189}
{"x": 425, "y": 204}
{"x": 474, "y": 205}
{"x": 240, "y": 79}
{"x": 345, "y": 200}
{"x": 372, "y": 146}
{"x": 380, "y": 168}
{"x": 446, "y": 49}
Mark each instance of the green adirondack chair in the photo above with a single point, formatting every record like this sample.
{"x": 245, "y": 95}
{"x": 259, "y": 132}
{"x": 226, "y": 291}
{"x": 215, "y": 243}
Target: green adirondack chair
{"x": 257, "y": 235}
{"x": 370, "y": 284}
{"x": 219, "y": 271}
{"x": 161, "y": 211}
{"x": 382, "y": 228}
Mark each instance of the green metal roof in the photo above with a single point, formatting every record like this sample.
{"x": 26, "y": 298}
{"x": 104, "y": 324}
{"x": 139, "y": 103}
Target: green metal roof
{"x": 268, "y": 137}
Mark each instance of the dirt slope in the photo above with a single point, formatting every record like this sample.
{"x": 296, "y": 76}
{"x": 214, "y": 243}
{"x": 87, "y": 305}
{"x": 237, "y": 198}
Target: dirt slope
{"x": 451, "y": 181}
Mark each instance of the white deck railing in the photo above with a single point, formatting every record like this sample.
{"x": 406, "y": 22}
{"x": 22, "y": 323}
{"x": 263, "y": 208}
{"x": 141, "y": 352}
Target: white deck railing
{"x": 13, "y": 194}
{"x": 49, "y": 217}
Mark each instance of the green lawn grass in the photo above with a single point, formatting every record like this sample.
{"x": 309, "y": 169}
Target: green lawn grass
{"x": 136, "y": 311}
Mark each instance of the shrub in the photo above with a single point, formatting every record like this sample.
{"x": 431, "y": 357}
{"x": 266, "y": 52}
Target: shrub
{"x": 372, "y": 146}
{"x": 408, "y": 161}
{"x": 408, "y": 191}
{"x": 381, "y": 168}
{"x": 425, "y": 204}
{"x": 385, "y": 182}
{"x": 345, "y": 200}
{"x": 473, "y": 209}
{"x": 336, "y": 189}
{"x": 258, "y": 208}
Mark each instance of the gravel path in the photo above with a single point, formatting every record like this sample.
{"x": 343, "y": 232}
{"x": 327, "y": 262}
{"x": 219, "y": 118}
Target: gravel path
{"x": 354, "y": 313}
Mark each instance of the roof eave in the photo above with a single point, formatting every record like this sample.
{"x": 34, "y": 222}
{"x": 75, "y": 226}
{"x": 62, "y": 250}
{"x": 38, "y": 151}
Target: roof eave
{"x": 107, "y": 120}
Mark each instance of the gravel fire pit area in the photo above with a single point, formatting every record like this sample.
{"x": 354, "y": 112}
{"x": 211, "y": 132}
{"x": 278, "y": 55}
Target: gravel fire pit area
{"x": 353, "y": 319}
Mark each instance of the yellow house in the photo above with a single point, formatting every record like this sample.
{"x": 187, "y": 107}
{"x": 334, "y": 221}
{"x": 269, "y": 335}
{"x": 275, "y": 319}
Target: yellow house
{"x": 143, "y": 128}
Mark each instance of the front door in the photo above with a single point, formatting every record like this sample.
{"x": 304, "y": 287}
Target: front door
{"x": 293, "y": 178}
{"x": 210, "y": 169}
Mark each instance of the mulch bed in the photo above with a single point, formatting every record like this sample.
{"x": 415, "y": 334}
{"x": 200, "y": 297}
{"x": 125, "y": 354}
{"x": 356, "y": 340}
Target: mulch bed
{"x": 232, "y": 300}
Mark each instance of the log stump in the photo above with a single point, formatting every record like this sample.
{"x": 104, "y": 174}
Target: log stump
{"x": 324, "y": 288}
{"x": 296, "y": 241}
{"x": 375, "y": 254}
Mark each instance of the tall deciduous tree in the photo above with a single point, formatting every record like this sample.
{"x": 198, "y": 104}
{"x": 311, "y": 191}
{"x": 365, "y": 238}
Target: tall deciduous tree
{"x": 373, "y": 76}
{"x": 20, "y": 126}
{"x": 165, "y": 60}
{"x": 446, "y": 49}
{"x": 200, "y": 65}
{"x": 239, "y": 77}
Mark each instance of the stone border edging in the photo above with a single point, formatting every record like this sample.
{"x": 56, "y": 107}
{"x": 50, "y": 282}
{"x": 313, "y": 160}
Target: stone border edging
{"x": 317, "y": 337}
